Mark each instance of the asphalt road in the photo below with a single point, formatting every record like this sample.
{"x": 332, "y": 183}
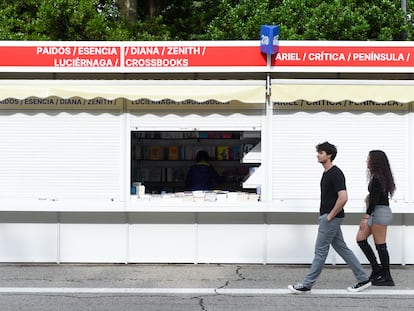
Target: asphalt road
{"x": 192, "y": 287}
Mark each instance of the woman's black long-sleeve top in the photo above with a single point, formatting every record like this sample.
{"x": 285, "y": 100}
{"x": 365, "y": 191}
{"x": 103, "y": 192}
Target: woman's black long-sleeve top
{"x": 376, "y": 195}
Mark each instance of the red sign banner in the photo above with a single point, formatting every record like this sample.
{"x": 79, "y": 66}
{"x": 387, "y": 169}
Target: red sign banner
{"x": 135, "y": 58}
{"x": 205, "y": 56}
{"x": 193, "y": 56}
{"x": 60, "y": 56}
{"x": 344, "y": 56}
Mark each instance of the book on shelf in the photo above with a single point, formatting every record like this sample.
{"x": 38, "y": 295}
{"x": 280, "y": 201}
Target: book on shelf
{"x": 176, "y": 174}
{"x": 223, "y": 153}
{"x": 213, "y": 135}
{"x": 202, "y": 135}
{"x": 173, "y": 152}
{"x": 190, "y": 135}
{"x": 172, "y": 135}
{"x": 187, "y": 153}
{"x": 137, "y": 152}
{"x": 155, "y": 152}
{"x": 235, "y": 152}
{"x": 227, "y": 135}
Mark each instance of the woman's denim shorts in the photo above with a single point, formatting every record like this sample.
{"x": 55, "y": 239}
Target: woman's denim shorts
{"x": 382, "y": 215}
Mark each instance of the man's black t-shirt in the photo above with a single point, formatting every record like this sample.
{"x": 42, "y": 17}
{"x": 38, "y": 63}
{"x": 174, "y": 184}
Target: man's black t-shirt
{"x": 332, "y": 181}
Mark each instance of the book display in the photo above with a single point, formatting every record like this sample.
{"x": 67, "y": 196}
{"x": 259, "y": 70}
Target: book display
{"x": 161, "y": 159}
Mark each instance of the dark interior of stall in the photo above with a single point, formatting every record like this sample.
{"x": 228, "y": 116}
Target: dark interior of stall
{"x": 160, "y": 160}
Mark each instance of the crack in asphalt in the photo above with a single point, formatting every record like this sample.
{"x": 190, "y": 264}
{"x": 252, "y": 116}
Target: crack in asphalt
{"x": 238, "y": 272}
{"x": 201, "y": 303}
{"x": 240, "y": 277}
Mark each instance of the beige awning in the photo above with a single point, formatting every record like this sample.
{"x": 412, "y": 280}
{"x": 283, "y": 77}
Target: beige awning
{"x": 343, "y": 90}
{"x": 244, "y": 91}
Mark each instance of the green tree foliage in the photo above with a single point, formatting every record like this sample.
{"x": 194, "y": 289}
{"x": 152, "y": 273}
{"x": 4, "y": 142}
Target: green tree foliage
{"x": 238, "y": 20}
{"x": 204, "y": 20}
{"x": 188, "y": 19}
{"x": 61, "y": 20}
{"x": 312, "y": 20}
{"x": 17, "y": 19}
{"x": 76, "y": 20}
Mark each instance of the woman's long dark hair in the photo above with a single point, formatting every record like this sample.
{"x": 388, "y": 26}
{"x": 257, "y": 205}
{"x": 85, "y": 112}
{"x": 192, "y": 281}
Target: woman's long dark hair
{"x": 379, "y": 167}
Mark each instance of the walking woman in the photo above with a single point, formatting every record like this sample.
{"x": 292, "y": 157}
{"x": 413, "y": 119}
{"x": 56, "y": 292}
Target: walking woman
{"x": 378, "y": 216}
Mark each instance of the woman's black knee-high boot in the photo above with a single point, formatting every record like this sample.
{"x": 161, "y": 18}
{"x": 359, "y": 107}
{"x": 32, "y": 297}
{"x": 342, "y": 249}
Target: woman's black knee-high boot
{"x": 369, "y": 253}
{"x": 385, "y": 279}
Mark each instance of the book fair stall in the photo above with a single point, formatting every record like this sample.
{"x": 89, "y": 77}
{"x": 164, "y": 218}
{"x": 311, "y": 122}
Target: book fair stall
{"x": 97, "y": 139}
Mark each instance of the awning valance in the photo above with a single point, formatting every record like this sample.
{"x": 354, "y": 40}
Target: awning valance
{"x": 223, "y": 91}
{"x": 357, "y": 91}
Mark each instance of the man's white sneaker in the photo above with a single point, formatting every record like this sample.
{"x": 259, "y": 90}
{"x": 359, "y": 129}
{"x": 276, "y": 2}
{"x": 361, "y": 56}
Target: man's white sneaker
{"x": 359, "y": 287}
{"x": 298, "y": 289}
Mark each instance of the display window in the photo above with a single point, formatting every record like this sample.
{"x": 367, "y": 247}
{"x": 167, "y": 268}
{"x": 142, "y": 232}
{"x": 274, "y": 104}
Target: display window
{"x": 177, "y": 161}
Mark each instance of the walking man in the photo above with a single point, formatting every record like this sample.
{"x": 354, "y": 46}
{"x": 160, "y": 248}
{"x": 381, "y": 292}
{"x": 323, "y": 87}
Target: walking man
{"x": 331, "y": 215}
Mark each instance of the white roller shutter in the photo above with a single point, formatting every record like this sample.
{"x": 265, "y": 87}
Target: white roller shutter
{"x": 52, "y": 155}
{"x": 295, "y": 170}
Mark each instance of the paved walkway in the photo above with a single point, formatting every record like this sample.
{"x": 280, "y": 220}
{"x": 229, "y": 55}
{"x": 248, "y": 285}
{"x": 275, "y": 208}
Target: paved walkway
{"x": 205, "y": 287}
